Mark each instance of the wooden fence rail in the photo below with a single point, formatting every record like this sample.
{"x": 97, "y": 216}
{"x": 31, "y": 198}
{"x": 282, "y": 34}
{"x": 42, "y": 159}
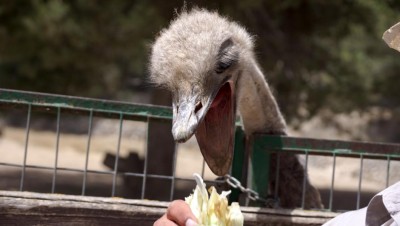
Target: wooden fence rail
{"x": 27, "y": 208}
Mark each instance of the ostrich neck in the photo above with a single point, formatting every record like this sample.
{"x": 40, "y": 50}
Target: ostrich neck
{"x": 257, "y": 106}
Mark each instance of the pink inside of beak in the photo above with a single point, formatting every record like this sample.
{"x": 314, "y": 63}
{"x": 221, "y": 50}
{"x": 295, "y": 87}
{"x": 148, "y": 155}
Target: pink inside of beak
{"x": 215, "y": 133}
{"x": 222, "y": 97}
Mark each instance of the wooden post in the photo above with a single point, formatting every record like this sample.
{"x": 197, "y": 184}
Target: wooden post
{"x": 160, "y": 147}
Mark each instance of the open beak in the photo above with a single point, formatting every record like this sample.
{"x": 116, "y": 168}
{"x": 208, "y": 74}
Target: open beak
{"x": 213, "y": 123}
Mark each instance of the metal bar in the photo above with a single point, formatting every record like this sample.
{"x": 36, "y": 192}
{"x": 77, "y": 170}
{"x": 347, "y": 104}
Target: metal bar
{"x": 157, "y": 176}
{"x": 10, "y": 164}
{"x": 203, "y": 167}
{"x": 274, "y": 142}
{"x": 278, "y": 165}
{"x": 121, "y": 120}
{"x": 147, "y": 175}
{"x": 28, "y": 127}
{"x": 332, "y": 182}
{"x": 305, "y": 176}
{"x": 145, "y": 161}
{"x": 238, "y": 162}
{"x": 387, "y": 171}
{"x": 108, "y": 172}
{"x": 248, "y": 167}
{"x": 58, "y": 169}
{"x": 87, "y": 152}
{"x": 359, "y": 181}
{"x": 260, "y": 163}
{"x": 53, "y": 183}
{"x": 81, "y": 171}
{"x": 339, "y": 153}
{"x": 105, "y": 108}
{"x": 174, "y": 173}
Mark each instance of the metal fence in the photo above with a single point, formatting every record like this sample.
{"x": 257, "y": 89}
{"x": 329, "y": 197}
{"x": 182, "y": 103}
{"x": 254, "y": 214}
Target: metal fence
{"x": 90, "y": 108}
{"x": 318, "y": 147}
{"x": 248, "y": 159}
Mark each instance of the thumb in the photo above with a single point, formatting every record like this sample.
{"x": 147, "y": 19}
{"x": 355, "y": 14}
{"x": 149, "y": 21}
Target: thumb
{"x": 180, "y": 212}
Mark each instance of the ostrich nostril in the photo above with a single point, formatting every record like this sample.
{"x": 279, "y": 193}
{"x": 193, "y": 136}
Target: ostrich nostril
{"x": 198, "y": 107}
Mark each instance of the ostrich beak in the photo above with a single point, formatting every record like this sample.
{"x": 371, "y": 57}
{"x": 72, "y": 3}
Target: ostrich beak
{"x": 213, "y": 123}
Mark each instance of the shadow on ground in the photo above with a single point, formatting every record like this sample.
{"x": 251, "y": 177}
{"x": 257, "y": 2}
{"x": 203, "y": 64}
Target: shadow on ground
{"x": 96, "y": 184}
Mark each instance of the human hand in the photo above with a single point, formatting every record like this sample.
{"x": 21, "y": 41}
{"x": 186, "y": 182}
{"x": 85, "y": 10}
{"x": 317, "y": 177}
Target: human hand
{"x": 178, "y": 213}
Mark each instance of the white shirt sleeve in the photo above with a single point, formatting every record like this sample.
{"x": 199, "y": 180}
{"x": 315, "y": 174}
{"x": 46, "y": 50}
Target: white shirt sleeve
{"x": 383, "y": 209}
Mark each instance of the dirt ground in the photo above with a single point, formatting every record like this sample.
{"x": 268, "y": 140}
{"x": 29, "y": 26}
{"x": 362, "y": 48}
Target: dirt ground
{"x": 72, "y": 155}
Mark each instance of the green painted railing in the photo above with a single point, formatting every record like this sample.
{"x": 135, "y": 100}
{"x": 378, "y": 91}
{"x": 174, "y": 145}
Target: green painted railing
{"x": 103, "y": 108}
{"x": 263, "y": 145}
{"x": 259, "y": 146}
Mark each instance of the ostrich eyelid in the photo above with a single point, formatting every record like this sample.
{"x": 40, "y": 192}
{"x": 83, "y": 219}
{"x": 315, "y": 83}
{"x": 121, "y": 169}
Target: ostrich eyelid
{"x": 226, "y": 56}
{"x": 222, "y": 66}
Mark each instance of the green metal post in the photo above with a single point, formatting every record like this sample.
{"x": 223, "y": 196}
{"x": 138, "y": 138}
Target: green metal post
{"x": 238, "y": 161}
{"x": 260, "y": 162}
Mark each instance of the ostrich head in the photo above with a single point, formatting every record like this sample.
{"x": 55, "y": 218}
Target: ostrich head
{"x": 199, "y": 58}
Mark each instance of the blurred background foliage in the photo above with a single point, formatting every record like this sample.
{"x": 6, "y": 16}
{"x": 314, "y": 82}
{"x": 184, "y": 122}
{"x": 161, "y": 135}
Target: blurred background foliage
{"x": 316, "y": 54}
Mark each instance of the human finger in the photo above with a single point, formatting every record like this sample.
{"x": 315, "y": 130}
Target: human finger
{"x": 180, "y": 212}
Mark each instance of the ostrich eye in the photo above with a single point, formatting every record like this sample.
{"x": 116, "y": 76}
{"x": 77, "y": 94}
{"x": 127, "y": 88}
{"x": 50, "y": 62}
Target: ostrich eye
{"x": 227, "y": 56}
{"x": 223, "y": 65}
